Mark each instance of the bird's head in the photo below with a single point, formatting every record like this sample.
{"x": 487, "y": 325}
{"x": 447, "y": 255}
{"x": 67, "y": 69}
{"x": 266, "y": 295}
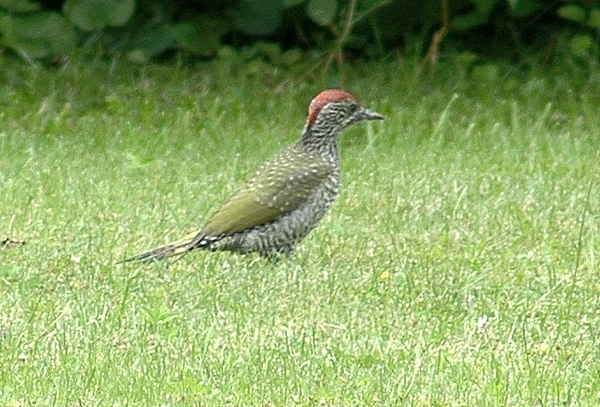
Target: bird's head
{"x": 333, "y": 110}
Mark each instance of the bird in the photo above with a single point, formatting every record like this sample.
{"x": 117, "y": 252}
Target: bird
{"x": 287, "y": 196}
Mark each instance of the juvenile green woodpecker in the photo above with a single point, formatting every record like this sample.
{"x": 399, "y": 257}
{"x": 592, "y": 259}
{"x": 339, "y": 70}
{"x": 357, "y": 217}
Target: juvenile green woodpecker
{"x": 287, "y": 196}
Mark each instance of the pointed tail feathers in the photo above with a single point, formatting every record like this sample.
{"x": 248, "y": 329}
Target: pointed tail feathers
{"x": 182, "y": 246}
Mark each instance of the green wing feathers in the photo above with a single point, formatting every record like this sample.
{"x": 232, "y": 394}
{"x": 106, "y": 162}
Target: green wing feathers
{"x": 280, "y": 186}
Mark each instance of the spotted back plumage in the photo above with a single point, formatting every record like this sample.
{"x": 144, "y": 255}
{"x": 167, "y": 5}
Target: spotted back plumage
{"x": 291, "y": 192}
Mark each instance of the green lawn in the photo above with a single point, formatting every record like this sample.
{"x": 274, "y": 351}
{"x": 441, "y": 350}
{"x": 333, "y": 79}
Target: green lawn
{"x": 458, "y": 267}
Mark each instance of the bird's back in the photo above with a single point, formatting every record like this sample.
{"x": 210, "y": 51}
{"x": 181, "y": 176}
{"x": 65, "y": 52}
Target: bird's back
{"x": 279, "y": 206}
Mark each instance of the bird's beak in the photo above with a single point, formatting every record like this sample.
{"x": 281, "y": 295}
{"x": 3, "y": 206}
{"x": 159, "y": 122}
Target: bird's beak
{"x": 368, "y": 114}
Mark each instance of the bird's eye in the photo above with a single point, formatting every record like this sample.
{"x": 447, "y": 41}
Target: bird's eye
{"x": 352, "y": 109}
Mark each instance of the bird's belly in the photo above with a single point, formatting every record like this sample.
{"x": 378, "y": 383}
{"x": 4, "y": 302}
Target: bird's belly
{"x": 282, "y": 234}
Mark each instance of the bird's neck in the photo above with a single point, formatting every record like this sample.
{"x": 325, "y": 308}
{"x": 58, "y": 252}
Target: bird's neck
{"x": 320, "y": 141}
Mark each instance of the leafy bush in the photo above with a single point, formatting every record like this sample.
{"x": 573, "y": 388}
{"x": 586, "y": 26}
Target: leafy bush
{"x": 32, "y": 32}
{"x": 582, "y": 40}
{"x": 368, "y": 28}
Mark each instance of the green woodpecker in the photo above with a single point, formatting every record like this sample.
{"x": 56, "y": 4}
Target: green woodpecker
{"x": 288, "y": 195}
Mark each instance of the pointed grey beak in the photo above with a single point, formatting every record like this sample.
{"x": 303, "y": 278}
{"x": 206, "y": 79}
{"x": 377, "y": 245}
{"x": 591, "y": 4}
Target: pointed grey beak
{"x": 368, "y": 114}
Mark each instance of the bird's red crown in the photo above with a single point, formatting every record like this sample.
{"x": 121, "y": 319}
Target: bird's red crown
{"x": 324, "y": 98}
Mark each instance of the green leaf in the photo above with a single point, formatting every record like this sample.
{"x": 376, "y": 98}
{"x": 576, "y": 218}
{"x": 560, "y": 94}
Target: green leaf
{"x": 259, "y": 17}
{"x": 271, "y": 50}
{"x": 291, "y": 57}
{"x": 291, "y": 3}
{"x": 138, "y": 56}
{"x": 186, "y": 36}
{"x": 118, "y": 12}
{"x": 200, "y": 36}
{"x": 581, "y": 45}
{"x": 487, "y": 74}
{"x": 322, "y": 11}
{"x": 38, "y": 35}
{"x": 152, "y": 40}
{"x": 479, "y": 16}
{"x": 469, "y": 21}
{"x": 572, "y": 12}
{"x": 95, "y": 14}
{"x": 19, "y": 6}
{"x": 594, "y": 20}
{"x": 485, "y": 6}
{"x": 521, "y": 8}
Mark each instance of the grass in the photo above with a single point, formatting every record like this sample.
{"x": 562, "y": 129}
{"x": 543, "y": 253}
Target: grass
{"x": 458, "y": 267}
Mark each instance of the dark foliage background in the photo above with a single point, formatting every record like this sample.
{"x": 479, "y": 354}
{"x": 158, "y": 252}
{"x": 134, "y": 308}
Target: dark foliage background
{"x": 284, "y": 31}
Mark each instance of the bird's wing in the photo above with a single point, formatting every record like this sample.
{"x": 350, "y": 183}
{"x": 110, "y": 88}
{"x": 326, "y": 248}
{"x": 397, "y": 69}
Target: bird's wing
{"x": 280, "y": 186}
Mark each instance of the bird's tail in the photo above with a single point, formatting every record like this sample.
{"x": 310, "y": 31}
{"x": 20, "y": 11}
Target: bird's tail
{"x": 177, "y": 248}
